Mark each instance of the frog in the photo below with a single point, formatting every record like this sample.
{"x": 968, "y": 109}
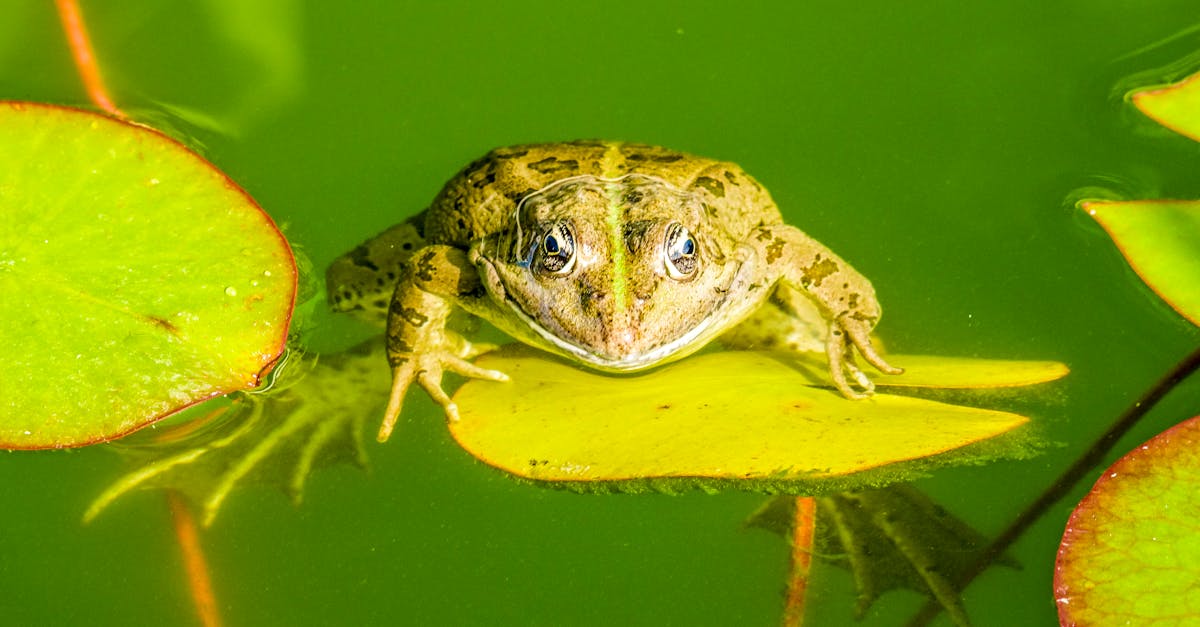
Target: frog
{"x": 616, "y": 256}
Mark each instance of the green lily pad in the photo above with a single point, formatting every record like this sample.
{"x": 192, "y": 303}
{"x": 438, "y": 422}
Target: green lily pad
{"x": 135, "y": 279}
{"x": 1131, "y": 553}
{"x": 1161, "y": 241}
{"x": 727, "y": 416}
{"x": 1175, "y": 106}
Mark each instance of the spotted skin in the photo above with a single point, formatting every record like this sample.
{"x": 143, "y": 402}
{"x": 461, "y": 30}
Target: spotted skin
{"x": 619, "y": 256}
{"x": 361, "y": 282}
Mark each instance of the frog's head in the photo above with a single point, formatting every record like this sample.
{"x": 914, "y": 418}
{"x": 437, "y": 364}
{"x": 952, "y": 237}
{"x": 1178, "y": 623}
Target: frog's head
{"x": 620, "y": 274}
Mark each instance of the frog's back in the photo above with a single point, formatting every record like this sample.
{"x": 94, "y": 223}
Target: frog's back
{"x": 481, "y": 199}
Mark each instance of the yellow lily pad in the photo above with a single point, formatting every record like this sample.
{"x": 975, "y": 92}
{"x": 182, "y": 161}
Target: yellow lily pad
{"x": 966, "y": 373}
{"x": 738, "y": 416}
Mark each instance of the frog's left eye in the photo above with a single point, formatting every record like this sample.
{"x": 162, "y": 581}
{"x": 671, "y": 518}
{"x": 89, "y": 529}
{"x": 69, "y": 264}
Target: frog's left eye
{"x": 557, "y": 254}
{"x": 680, "y": 252}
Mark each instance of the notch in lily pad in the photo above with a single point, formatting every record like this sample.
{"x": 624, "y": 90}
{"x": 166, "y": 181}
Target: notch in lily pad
{"x": 136, "y": 279}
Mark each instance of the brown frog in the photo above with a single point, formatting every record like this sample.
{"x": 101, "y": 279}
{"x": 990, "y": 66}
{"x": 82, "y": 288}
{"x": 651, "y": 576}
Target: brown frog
{"x": 618, "y": 256}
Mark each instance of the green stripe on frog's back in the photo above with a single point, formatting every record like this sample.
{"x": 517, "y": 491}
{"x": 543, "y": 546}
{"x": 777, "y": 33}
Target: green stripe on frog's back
{"x": 616, "y": 230}
{"x": 613, "y": 167}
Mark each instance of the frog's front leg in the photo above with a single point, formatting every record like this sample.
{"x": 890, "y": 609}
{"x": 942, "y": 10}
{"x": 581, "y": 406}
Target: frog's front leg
{"x": 844, "y": 296}
{"x": 419, "y": 346}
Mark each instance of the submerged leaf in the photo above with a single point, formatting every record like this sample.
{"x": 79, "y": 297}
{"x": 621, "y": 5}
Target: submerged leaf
{"x": 275, "y": 438}
{"x": 889, "y": 539}
{"x": 1175, "y": 106}
{"x": 898, "y": 538}
{"x": 135, "y": 279}
{"x": 731, "y": 416}
{"x": 1161, "y": 241}
{"x": 1131, "y": 553}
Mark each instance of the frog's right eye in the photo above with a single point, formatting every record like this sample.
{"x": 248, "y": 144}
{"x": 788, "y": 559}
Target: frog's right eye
{"x": 557, "y": 254}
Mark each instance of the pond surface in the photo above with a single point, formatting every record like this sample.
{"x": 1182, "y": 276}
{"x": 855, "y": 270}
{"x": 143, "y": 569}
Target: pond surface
{"x": 938, "y": 146}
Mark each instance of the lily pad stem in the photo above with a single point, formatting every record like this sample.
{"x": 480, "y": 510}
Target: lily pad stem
{"x": 199, "y": 581}
{"x": 1066, "y": 482}
{"x": 85, "y": 57}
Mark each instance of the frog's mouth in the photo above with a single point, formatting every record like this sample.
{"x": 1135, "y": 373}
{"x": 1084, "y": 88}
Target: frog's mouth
{"x": 631, "y": 362}
{"x": 732, "y": 307}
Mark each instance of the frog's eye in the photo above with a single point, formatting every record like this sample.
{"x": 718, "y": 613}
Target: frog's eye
{"x": 558, "y": 250}
{"x": 680, "y": 252}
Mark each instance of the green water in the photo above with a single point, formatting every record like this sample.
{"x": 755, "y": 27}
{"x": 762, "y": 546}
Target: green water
{"x": 933, "y": 144}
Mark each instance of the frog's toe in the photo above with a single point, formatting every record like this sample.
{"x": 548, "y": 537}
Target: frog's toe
{"x": 433, "y": 386}
{"x": 462, "y": 347}
{"x": 860, "y": 337}
{"x": 841, "y": 362}
{"x": 402, "y": 376}
{"x": 861, "y": 378}
{"x": 877, "y": 360}
{"x": 427, "y": 371}
{"x": 475, "y": 349}
{"x": 847, "y": 390}
{"x": 468, "y": 369}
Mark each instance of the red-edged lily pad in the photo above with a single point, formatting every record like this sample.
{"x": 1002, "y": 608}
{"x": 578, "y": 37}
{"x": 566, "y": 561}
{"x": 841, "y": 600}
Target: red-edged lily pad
{"x": 1161, "y": 241}
{"x": 1131, "y": 551}
{"x": 1175, "y": 106}
{"x": 135, "y": 279}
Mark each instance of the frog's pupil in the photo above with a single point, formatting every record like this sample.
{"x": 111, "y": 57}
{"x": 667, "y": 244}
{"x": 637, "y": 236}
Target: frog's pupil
{"x": 689, "y": 246}
{"x": 551, "y": 245}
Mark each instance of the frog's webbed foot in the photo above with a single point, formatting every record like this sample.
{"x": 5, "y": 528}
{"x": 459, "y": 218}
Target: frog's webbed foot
{"x": 420, "y": 348}
{"x": 426, "y": 369}
{"x": 845, "y": 335}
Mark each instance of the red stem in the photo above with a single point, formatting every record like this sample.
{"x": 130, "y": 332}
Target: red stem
{"x": 803, "y": 527}
{"x": 199, "y": 583}
{"x": 85, "y": 58}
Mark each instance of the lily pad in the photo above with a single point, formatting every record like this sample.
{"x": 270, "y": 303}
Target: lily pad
{"x": 135, "y": 279}
{"x": 1130, "y": 554}
{"x": 1175, "y": 106}
{"x": 728, "y": 416}
{"x": 1161, "y": 241}
{"x": 974, "y": 374}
